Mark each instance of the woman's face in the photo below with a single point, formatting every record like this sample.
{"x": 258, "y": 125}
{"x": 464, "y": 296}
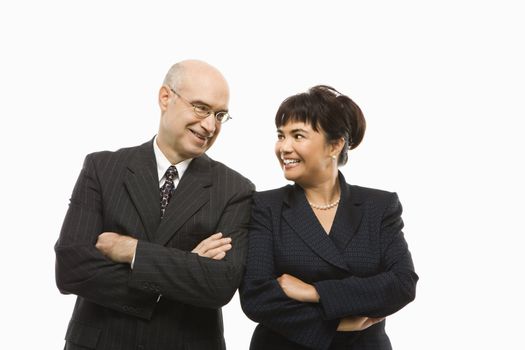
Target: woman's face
{"x": 304, "y": 154}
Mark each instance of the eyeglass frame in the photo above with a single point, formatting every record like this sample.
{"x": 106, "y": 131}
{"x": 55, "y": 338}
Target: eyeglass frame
{"x": 202, "y": 111}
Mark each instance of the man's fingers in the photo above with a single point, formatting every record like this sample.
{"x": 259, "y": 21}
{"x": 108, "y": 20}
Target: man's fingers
{"x": 213, "y": 237}
{"x": 207, "y": 240}
{"x": 213, "y": 252}
{"x": 214, "y": 247}
{"x": 217, "y": 243}
{"x": 206, "y": 246}
{"x": 219, "y": 256}
{"x": 105, "y": 240}
{"x": 205, "y": 243}
{"x": 210, "y": 250}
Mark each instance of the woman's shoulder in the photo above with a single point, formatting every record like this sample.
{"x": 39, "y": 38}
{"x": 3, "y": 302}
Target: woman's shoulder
{"x": 362, "y": 194}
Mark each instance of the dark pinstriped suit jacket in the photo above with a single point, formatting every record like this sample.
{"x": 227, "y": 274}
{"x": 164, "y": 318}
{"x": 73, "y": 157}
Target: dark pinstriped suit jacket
{"x": 116, "y": 307}
{"x": 363, "y": 267}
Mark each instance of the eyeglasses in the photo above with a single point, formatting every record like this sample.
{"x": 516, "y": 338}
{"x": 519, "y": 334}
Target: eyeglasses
{"x": 203, "y": 111}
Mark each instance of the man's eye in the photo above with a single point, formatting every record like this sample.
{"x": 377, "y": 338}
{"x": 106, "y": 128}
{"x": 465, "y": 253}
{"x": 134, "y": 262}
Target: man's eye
{"x": 201, "y": 109}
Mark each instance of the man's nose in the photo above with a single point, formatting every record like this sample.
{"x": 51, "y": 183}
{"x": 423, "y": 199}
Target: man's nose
{"x": 209, "y": 123}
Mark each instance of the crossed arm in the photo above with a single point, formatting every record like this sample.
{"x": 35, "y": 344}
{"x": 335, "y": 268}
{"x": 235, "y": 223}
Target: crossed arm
{"x": 303, "y": 292}
{"x": 309, "y": 314}
{"x": 121, "y": 248}
{"x": 94, "y": 264}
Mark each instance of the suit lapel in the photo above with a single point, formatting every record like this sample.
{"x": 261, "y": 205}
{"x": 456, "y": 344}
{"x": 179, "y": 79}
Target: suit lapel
{"x": 142, "y": 184}
{"x": 298, "y": 214}
{"x": 348, "y": 216}
{"x": 191, "y": 194}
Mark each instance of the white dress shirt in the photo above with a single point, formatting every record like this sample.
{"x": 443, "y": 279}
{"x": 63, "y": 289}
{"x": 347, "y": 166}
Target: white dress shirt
{"x": 162, "y": 165}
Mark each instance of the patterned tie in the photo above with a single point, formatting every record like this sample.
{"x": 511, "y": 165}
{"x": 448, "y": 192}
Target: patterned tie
{"x": 167, "y": 189}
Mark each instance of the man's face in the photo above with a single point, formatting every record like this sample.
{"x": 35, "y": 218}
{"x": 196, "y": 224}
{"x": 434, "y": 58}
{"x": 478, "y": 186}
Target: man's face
{"x": 183, "y": 134}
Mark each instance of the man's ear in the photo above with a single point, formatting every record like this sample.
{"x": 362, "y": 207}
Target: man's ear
{"x": 164, "y": 98}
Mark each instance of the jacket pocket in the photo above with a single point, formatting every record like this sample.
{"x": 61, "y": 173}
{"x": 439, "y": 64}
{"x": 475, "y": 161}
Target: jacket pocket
{"x": 82, "y": 334}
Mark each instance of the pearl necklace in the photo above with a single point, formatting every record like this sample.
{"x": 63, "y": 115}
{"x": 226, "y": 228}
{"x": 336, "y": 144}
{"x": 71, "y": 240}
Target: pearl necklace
{"x": 326, "y": 206}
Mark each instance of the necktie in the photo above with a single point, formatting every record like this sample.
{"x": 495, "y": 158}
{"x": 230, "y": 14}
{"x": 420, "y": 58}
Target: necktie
{"x": 167, "y": 189}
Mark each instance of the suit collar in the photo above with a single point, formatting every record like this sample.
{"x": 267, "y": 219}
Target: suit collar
{"x": 348, "y": 216}
{"x": 143, "y": 187}
{"x": 300, "y": 216}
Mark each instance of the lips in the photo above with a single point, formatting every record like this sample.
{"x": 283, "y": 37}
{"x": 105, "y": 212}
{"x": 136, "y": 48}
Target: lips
{"x": 201, "y": 137}
{"x": 289, "y": 163}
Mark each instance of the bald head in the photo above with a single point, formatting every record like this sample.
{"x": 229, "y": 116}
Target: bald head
{"x": 183, "y": 73}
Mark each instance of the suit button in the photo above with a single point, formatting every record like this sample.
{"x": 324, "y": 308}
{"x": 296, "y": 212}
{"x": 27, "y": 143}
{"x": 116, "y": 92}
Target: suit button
{"x": 140, "y": 347}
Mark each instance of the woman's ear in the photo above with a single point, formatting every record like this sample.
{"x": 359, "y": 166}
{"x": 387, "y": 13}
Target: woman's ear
{"x": 337, "y": 146}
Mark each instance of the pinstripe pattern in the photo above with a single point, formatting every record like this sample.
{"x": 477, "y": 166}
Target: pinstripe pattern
{"x": 117, "y": 308}
{"x": 363, "y": 267}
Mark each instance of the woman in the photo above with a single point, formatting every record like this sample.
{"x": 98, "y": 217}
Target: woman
{"x": 327, "y": 261}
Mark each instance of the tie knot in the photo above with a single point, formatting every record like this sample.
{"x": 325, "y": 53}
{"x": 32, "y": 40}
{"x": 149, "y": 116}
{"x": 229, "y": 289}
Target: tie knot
{"x": 171, "y": 173}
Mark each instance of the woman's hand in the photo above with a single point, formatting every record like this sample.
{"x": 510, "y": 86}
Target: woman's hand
{"x": 357, "y": 323}
{"x": 298, "y": 290}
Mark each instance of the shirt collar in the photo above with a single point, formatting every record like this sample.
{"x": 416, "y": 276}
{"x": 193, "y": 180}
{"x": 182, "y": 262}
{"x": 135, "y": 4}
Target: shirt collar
{"x": 163, "y": 163}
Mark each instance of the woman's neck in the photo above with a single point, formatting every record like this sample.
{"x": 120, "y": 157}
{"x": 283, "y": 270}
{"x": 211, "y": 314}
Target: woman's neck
{"x": 323, "y": 193}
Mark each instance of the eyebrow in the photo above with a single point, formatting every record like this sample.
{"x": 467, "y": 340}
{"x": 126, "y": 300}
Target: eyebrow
{"x": 202, "y": 103}
{"x": 294, "y": 130}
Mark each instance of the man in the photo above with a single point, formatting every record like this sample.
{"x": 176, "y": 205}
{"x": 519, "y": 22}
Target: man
{"x": 154, "y": 241}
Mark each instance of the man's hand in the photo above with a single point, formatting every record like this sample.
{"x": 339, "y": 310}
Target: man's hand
{"x": 357, "y": 323}
{"x": 119, "y": 248}
{"x": 298, "y": 290}
{"x": 213, "y": 247}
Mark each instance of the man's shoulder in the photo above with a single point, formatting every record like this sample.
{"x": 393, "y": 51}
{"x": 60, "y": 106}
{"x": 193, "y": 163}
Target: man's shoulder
{"x": 114, "y": 159}
{"x": 222, "y": 171}
{"x": 273, "y": 196}
{"x": 121, "y": 153}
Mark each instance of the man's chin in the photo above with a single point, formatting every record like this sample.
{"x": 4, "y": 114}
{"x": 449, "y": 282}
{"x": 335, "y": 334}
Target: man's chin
{"x": 210, "y": 143}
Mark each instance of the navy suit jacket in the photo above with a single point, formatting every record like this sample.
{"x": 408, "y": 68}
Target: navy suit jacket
{"x": 362, "y": 268}
{"x": 117, "y": 308}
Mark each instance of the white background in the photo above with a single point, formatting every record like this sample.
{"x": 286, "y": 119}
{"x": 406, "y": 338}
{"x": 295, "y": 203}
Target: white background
{"x": 441, "y": 84}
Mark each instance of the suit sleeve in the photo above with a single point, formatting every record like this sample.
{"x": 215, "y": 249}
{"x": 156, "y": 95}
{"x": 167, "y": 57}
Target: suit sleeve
{"x": 80, "y": 268}
{"x": 263, "y": 300}
{"x": 189, "y": 278}
{"x": 384, "y": 293}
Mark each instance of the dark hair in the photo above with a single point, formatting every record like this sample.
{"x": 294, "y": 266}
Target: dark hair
{"x": 327, "y": 111}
